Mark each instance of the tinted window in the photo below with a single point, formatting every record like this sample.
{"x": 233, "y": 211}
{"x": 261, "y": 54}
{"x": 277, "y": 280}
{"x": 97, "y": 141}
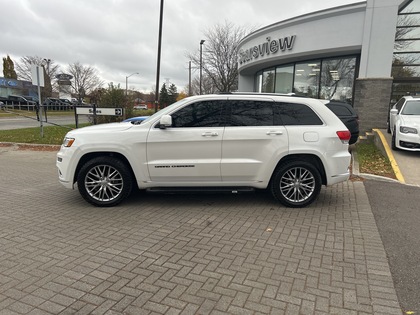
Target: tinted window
{"x": 297, "y": 114}
{"x": 200, "y": 114}
{"x": 340, "y": 110}
{"x": 250, "y": 113}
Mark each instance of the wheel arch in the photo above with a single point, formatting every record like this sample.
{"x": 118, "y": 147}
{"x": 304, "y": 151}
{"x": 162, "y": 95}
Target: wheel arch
{"x": 310, "y": 158}
{"x": 92, "y": 155}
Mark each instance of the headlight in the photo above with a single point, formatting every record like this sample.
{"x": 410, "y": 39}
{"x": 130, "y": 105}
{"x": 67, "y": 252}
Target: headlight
{"x": 67, "y": 142}
{"x": 408, "y": 130}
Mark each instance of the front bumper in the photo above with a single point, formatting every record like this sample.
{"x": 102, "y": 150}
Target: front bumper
{"x": 66, "y": 167}
{"x": 410, "y": 142}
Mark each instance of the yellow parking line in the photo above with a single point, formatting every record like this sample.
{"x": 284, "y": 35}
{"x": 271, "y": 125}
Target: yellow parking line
{"x": 391, "y": 158}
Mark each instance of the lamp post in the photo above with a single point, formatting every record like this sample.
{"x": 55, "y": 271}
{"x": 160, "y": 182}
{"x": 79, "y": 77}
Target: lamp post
{"x": 189, "y": 79}
{"x": 201, "y": 64}
{"x": 126, "y": 82}
{"x": 158, "y": 55}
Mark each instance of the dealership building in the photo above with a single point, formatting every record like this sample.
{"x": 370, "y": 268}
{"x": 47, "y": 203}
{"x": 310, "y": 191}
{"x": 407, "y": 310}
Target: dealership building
{"x": 366, "y": 54}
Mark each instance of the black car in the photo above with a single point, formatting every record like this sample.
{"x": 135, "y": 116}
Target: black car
{"x": 19, "y": 100}
{"x": 347, "y": 115}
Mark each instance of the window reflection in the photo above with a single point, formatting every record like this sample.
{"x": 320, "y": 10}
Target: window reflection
{"x": 268, "y": 81}
{"x": 284, "y": 79}
{"x": 406, "y": 59}
{"x": 250, "y": 113}
{"x": 331, "y": 78}
{"x": 337, "y": 79}
{"x": 307, "y": 78}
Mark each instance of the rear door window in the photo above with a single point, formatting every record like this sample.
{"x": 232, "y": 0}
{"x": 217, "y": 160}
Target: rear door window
{"x": 250, "y": 113}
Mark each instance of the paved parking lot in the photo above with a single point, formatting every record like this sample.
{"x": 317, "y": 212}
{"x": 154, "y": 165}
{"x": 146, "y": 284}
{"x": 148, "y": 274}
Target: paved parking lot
{"x": 184, "y": 254}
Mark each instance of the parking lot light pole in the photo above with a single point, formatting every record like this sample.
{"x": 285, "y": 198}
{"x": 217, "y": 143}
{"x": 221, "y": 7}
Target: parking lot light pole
{"x": 126, "y": 82}
{"x": 158, "y": 55}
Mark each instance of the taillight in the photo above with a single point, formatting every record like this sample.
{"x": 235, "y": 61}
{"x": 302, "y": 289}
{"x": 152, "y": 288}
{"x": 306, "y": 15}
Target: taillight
{"x": 344, "y": 135}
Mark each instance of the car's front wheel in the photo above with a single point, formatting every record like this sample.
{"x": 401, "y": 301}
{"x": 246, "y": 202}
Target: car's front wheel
{"x": 393, "y": 140}
{"x": 104, "y": 181}
{"x": 296, "y": 184}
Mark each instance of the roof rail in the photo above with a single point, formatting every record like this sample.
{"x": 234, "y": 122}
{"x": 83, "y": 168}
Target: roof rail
{"x": 258, "y": 93}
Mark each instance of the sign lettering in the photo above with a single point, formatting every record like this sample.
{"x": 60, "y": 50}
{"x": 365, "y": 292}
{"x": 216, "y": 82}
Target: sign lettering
{"x": 271, "y": 46}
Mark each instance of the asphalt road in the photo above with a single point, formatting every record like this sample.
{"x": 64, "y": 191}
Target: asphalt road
{"x": 19, "y": 122}
{"x": 397, "y": 214}
{"x": 407, "y": 162}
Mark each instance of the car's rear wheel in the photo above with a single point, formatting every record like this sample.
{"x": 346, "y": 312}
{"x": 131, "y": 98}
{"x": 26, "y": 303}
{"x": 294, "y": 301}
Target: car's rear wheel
{"x": 296, "y": 184}
{"x": 104, "y": 181}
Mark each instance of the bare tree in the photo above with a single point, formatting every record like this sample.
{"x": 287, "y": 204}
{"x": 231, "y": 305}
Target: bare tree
{"x": 406, "y": 24}
{"x": 23, "y": 67}
{"x": 220, "y": 56}
{"x": 207, "y": 86}
{"x": 23, "y": 70}
{"x": 404, "y": 40}
{"x": 85, "y": 79}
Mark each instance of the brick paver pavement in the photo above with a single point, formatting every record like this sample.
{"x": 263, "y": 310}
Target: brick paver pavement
{"x": 184, "y": 254}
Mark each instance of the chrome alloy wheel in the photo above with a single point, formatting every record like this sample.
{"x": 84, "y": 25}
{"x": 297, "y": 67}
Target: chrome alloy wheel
{"x": 104, "y": 183}
{"x": 297, "y": 184}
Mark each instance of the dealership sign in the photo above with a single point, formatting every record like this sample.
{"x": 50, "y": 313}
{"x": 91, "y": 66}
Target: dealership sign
{"x": 107, "y": 111}
{"x": 271, "y": 46}
{"x": 8, "y": 82}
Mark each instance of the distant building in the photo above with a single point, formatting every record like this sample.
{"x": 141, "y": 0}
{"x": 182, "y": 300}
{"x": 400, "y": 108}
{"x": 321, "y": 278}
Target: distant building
{"x": 17, "y": 87}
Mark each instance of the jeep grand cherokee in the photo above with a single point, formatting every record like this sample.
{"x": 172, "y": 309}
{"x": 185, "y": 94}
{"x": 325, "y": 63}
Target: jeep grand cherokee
{"x": 289, "y": 145}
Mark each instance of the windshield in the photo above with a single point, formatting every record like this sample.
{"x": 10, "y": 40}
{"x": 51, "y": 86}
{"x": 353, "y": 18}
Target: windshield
{"x": 167, "y": 109}
{"x": 411, "y": 108}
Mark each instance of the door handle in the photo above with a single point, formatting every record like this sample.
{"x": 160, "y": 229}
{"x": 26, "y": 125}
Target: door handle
{"x": 274, "y": 133}
{"x": 210, "y": 134}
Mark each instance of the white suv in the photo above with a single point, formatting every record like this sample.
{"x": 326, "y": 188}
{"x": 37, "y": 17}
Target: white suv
{"x": 228, "y": 142}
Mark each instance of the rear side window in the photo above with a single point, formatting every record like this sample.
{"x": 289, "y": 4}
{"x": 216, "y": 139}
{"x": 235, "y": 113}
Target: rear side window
{"x": 297, "y": 114}
{"x": 200, "y": 114}
{"x": 340, "y": 110}
{"x": 249, "y": 113}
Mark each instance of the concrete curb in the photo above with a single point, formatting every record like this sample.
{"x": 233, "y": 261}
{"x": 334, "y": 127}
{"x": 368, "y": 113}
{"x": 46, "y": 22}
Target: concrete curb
{"x": 30, "y": 146}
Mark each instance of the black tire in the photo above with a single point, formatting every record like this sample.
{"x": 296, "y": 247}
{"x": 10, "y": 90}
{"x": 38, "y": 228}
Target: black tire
{"x": 393, "y": 146}
{"x": 104, "y": 181}
{"x": 296, "y": 184}
{"x": 388, "y": 128}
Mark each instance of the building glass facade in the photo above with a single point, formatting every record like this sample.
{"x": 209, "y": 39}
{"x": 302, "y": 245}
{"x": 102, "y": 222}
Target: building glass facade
{"x": 406, "y": 59}
{"x": 328, "y": 78}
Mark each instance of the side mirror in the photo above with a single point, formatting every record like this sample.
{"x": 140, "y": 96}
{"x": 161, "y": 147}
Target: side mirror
{"x": 394, "y": 111}
{"x": 165, "y": 121}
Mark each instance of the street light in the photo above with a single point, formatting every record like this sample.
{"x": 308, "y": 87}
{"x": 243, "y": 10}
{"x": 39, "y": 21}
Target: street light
{"x": 201, "y": 64}
{"x": 158, "y": 56}
{"x": 126, "y": 82}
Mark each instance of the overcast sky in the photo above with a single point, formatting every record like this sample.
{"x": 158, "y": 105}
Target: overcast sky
{"x": 120, "y": 37}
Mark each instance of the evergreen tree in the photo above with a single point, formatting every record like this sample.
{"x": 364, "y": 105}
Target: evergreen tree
{"x": 9, "y": 68}
{"x": 164, "y": 97}
{"x": 173, "y": 94}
